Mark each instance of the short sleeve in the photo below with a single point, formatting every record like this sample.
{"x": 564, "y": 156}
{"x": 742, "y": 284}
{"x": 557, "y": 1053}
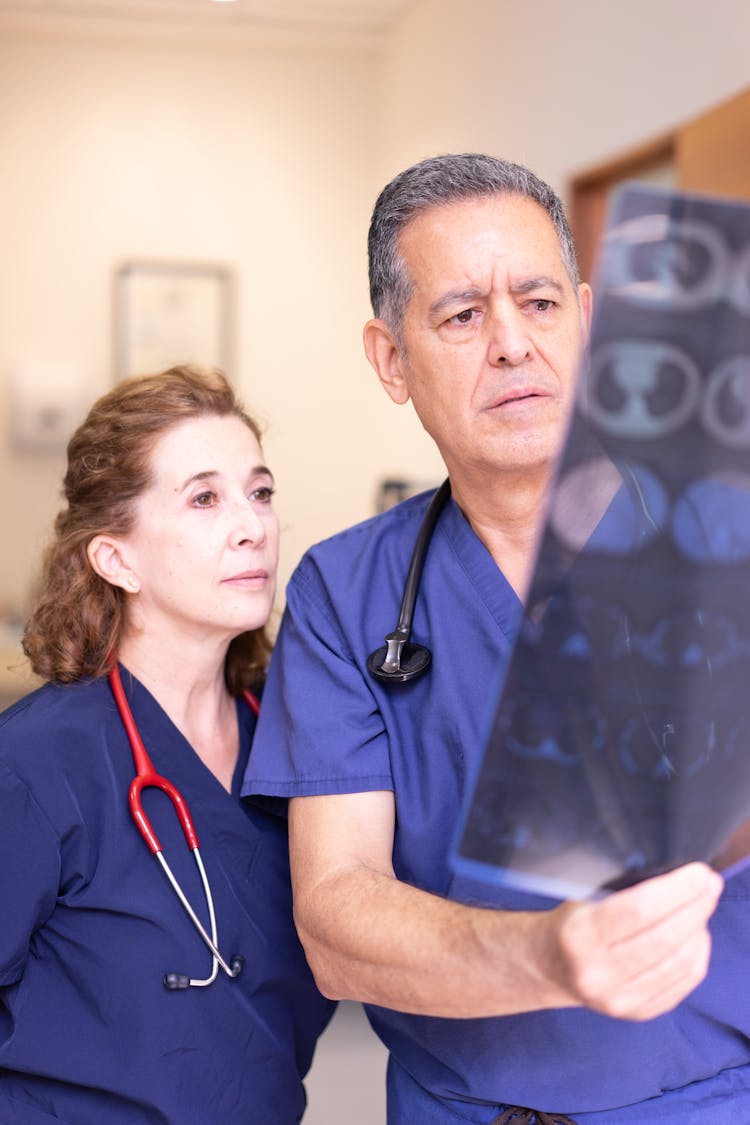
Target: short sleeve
{"x": 320, "y": 730}
{"x": 29, "y": 872}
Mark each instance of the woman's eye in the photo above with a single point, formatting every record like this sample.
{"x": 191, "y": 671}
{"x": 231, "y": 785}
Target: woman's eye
{"x": 263, "y": 494}
{"x": 204, "y": 499}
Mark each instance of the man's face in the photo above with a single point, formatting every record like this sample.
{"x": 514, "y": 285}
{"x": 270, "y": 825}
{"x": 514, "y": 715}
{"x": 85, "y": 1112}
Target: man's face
{"x": 492, "y": 334}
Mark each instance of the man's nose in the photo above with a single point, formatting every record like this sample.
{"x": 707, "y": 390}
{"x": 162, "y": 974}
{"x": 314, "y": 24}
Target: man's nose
{"x": 509, "y": 342}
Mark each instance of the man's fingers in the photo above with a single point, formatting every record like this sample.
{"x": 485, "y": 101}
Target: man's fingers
{"x": 662, "y": 987}
{"x": 643, "y": 906}
{"x": 640, "y": 952}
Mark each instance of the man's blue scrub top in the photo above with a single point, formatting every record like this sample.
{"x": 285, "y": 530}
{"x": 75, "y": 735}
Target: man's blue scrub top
{"x": 89, "y": 925}
{"x": 329, "y": 727}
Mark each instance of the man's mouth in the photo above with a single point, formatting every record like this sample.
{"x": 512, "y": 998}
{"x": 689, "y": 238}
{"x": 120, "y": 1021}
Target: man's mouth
{"x": 518, "y": 395}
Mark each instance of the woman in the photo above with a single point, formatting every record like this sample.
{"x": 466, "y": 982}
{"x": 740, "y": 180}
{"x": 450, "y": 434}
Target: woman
{"x": 163, "y": 564}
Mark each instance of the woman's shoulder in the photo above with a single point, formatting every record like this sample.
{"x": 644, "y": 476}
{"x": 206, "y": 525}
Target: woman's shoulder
{"x": 38, "y": 720}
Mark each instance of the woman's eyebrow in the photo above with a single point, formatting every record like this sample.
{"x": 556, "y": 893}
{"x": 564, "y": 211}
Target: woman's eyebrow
{"x": 206, "y": 474}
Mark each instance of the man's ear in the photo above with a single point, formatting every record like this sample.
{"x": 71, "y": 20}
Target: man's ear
{"x": 386, "y": 357}
{"x": 585, "y": 301}
{"x": 106, "y": 559}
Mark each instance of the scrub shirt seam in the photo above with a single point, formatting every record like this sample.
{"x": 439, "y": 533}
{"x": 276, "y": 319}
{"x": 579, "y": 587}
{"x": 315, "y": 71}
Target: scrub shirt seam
{"x": 309, "y": 574}
{"x": 399, "y": 513}
{"x": 310, "y": 584}
{"x": 25, "y": 703}
{"x": 15, "y": 776}
{"x": 12, "y": 973}
{"x": 275, "y": 788}
{"x": 9, "y": 976}
{"x": 479, "y": 588}
{"x": 324, "y": 605}
{"x": 326, "y": 608}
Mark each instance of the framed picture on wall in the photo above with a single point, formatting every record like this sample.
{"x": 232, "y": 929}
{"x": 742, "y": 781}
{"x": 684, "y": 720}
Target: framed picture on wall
{"x": 168, "y": 313}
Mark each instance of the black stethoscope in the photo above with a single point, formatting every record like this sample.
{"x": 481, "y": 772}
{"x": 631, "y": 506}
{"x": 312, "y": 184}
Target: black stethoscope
{"x": 146, "y": 777}
{"x": 398, "y": 661}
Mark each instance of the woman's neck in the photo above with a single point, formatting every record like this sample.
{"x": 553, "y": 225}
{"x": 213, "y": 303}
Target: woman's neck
{"x": 187, "y": 681}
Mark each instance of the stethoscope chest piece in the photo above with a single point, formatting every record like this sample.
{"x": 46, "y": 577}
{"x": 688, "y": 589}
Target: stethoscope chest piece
{"x": 398, "y": 661}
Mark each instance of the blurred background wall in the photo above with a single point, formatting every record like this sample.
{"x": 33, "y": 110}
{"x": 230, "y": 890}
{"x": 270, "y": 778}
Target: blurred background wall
{"x": 256, "y": 135}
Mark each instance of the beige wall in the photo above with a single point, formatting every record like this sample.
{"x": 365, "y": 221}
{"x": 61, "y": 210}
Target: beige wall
{"x": 267, "y": 156}
{"x": 557, "y": 84}
{"x": 257, "y": 156}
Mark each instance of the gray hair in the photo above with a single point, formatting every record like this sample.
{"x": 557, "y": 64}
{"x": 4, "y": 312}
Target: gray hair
{"x": 435, "y": 182}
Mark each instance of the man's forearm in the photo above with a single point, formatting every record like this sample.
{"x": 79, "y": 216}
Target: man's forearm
{"x": 370, "y": 937}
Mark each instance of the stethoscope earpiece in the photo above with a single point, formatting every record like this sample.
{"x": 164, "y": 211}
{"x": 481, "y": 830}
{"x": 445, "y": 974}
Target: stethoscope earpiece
{"x": 398, "y": 661}
{"x": 176, "y": 981}
{"x": 179, "y": 982}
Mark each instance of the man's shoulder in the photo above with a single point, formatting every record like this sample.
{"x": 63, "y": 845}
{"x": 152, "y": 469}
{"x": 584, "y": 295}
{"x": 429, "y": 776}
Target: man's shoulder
{"x": 384, "y": 531}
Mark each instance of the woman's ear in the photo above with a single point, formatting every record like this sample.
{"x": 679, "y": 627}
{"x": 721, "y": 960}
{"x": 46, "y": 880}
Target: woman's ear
{"x": 387, "y": 358}
{"x": 106, "y": 559}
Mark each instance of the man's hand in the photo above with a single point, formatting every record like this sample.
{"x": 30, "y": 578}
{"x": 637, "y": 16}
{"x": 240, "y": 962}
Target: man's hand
{"x": 638, "y": 953}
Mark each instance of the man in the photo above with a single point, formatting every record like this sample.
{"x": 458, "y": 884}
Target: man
{"x": 491, "y": 1008}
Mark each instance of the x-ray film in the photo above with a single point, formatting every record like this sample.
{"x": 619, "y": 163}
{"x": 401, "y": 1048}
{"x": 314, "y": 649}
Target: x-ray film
{"x": 621, "y": 742}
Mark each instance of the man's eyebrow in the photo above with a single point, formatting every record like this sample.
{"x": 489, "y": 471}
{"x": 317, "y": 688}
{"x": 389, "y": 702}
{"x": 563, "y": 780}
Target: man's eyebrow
{"x": 466, "y": 296}
{"x": 206, "y": 474}
{"x": 530, "y": 284}
{"x": 453, "y": 297}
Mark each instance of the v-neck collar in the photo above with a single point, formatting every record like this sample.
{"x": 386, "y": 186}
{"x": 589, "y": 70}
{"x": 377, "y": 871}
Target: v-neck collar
{"x": 187, "y": 763}
{"x": 488, "y": 580}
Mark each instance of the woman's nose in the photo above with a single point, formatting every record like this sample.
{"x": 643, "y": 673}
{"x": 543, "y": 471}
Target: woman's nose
{"x": 249, "y": 527}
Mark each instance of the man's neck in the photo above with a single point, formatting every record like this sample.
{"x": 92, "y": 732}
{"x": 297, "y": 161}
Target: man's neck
{"x": 505, "y": 512}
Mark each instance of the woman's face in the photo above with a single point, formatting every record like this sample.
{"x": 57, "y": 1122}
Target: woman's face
{"x": 204, "y": 547}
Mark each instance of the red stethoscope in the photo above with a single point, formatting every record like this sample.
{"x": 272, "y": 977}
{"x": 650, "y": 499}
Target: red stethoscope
{"x": 146, "y": 777}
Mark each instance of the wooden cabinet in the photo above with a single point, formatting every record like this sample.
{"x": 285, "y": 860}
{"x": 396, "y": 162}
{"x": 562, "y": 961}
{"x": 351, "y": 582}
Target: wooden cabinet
{"x": 708, "y": 154}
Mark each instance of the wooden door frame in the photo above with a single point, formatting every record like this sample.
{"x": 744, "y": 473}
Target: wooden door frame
{"x": 590, "y": 189}
{"x": 709, "y": 153}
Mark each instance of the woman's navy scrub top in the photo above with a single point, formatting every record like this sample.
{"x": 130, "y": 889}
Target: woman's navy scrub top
{"x": 89, "y": 1035}
{"x": 329, "y": 727}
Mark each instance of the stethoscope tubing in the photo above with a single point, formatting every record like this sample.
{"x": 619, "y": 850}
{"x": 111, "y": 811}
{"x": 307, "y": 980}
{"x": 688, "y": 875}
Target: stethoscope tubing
{"x": 211, "y": 941}
{"x": 398, "y": 661}
{"x": 147, "y": 778}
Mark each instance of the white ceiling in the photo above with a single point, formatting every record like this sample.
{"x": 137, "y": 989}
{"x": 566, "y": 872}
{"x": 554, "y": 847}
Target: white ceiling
{"x": 374, "y": 16}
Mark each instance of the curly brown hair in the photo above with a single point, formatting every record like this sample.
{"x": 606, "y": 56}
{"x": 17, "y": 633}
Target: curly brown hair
{"x": 78, "y": 618}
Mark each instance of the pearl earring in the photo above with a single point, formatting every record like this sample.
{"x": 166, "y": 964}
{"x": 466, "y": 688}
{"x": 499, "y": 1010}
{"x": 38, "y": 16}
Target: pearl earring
{"x": 132, "y": 582}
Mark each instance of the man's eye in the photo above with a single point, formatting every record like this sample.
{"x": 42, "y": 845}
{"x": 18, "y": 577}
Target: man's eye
{"x": 464, "y": 317}
{"x": 542, "y": 304}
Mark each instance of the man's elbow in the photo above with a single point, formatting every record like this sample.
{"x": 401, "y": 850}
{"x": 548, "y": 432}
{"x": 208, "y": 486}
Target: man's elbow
{"x": 326, "y": 965}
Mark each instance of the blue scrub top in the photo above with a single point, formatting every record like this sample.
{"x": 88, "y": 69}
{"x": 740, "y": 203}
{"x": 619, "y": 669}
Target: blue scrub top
{"x": 88, "y": 1033}
{"x": 329, "y": 727}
